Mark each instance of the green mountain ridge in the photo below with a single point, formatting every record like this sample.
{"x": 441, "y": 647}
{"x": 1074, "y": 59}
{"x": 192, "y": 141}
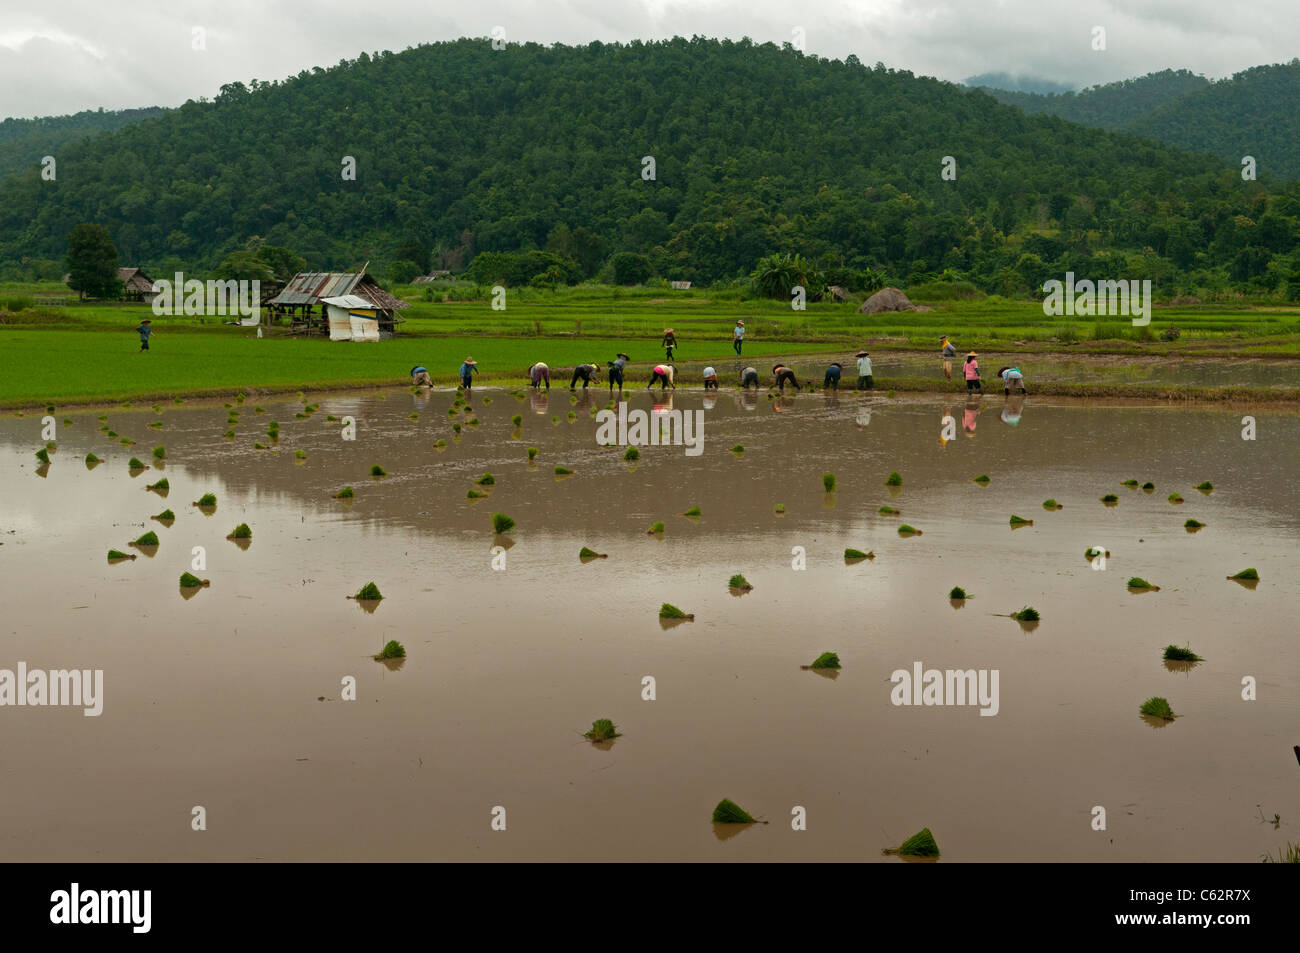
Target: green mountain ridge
{"x": 460, "y": 149}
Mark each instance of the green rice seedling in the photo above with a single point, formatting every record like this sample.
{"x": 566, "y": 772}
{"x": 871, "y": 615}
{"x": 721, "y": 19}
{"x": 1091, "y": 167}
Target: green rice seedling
{"x": 92, "y": 460}
{"x": 826, "y": 660}
{"x": 555, "y": 420}
{"x": 148, "y": 538}
{"x": 391, "y": 650}
{"x": 739, "y": 582}
{"x": 207, "y": 499}
{"x": 1148, "y": 486}
{"x": 602, "y": 729}
{"x": 729, "y": 812}
{"x": 473, "y": 422}
{"x": 572, "y": 399}
{"x": 655, "y": 528}
{"x": 1050, "y": 504}
{"x": 227, "y": 406}
{"x": 851, "y": 554}
{"x": 1249, "y": 575}
{"x": 571, "y": 416}
{"x": 486, "y": 479}
{"x": 1175, "y": 498}
{"x": 588, "y": 553}
{"x": 456, "y": 428}
{"x": 888, "y": 511}
{"x": 178, "y": 400}
{"x": 452, "y": 411}
{"x": 670, "y": 611}
{"x": 300, "y": 454}
{"x": 532, "y": 453}
{"x": 779, "y": 508}
{"x": 561, "y": 470}
{"x": 260, "y": 446}
{"x": 1092, "y": 552}
{"x": 982, "y": 479}
{"x": 1110, "y": 498}
{"x": 517, "y": 420}
{"x": 346, "y": 493}
{"x": 906, "y": 530}
{"x": 273, "y": 429}
{"x": 127, "y": 441}
{"x": 891, "y": 394}
{"x": 475, "y": 495}
{"x": 693, "y": 511}
{"x": 957, "y": 592}
{"x": 894, "y": 479}
{"x": 1138, "y": 583}
{"x": 1027, "y": 614}
{"x": 738, "y": 449}
{"x": 368, "y": 593}
{"x": 377, "y": 471}
{"x": 631, "y": 454}
{"x": 1205, "y": 486}
{"x": 920, "y": 844}
{"x": 155, "y": 424}
{"x": 135, "y": 464}
{"x": 487, "y": 400}
{"x": 1131, "y": 484}
{"x": 126, "y": 403}
{"x": 1020, "y": 521}
{"x": 502, "y": 523}
{"x": 259, "y": 410}
{"x": 67, "y": 421}
{"x": 160, "y": 487}
{"x": 330, "y": 417}
{"x": 441, "y": 445}
{"x": 102, "y": 417}
{"x": 1191, "y": 525}
{"x": 43, "y": 455}
{"x": 1174, "y": 653}
{"x": 828, "y": 482}
{"x": 49, "y": 409}
{"x": 166, "y": 516}
{"x": 240, "y": 398}
{"x": 229, "y": 435}
{"x": 116, "y": 554}
{"x": 1157, "y": 707}
{"x": 241, "y": 532}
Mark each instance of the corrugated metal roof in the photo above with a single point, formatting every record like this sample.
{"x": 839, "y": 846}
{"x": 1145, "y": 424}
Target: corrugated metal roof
{"x": 308, "y": 287}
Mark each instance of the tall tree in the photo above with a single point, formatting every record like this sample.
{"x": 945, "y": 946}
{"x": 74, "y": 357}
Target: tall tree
{"x": 92, "y": 262}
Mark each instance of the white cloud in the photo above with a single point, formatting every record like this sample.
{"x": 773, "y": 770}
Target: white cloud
{"x": 66, "y": 55}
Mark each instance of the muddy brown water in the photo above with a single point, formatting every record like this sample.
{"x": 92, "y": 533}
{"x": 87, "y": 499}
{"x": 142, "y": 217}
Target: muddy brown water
{"x": 213, "y": 700}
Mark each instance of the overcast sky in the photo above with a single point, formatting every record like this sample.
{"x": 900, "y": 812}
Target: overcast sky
{"x": 62, "y": 56}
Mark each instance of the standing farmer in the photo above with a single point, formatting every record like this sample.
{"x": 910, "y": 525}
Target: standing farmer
{"x": 865, "y": 380}
{"x": 467, "y": 371}
{"x": 738, "y": 336}
{"x": 145, "y": 330}
{"x": 616, "y": 371}
{"x": 670, "y": 342}
{"x": 948, "y": 353}
{"x": 972, "y": 370}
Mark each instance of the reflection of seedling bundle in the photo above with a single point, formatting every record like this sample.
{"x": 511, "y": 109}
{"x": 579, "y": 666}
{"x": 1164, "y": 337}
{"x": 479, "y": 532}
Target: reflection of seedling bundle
{"x": 1157, "y": 707}
{"x": 602, "y": 729}
{"x": 920, "y": 844}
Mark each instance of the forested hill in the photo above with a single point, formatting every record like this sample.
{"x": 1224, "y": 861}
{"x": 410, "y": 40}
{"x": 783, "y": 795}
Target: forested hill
{"x": 1253, "y": 113}
{"x": 757, "y": 149}
{"x": 24, "y": 141}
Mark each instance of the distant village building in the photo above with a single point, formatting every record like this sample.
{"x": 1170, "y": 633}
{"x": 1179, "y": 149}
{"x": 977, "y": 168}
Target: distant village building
{"x": 431, "y": 276}
{"x": 348, "y": 306}
{"x": 680, "y": 285}
{"x": 136, "y": 285}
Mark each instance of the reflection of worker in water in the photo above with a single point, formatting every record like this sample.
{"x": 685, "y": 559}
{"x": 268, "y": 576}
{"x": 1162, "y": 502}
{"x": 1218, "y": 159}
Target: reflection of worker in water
{"x": 748, "y": 399}
{"x": 420, "y": 376}
{"x": 664, "y": 405}
{"x": 710, "y": 379}
{"x": 587, "y": 373}
{"x": 943, "y": 425}
{"x": 782, "y": 404}
{"x": 968, "y": 418}
{"x": 863, "y": 419}
{"x": 781, "y": 375}
{"x": 1013, "y": 382}
{"x": 710, "y": 399}
{"x": 539, "y": 372}
{"x": 748, "y": 377}
{"x": 1011, "y": 409}
{"x": 539, "y": 401}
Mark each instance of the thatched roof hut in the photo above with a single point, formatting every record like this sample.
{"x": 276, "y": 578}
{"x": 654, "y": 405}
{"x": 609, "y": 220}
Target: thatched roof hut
{"x": 136, "y": 285}
{"x": 886, "y": 299}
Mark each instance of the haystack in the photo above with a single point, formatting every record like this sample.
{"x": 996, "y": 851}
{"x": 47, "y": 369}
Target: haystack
{"x": 886, "y": 299}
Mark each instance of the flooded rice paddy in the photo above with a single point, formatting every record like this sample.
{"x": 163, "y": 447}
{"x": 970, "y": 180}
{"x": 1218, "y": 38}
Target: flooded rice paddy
{"x": 229, "y": 697}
